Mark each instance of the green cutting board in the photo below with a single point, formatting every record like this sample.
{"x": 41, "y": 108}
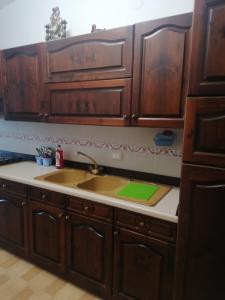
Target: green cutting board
{"x": 139, "y": 191}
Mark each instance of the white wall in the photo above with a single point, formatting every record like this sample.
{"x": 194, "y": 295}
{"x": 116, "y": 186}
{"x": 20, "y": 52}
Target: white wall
{"x": 22, "y": 22}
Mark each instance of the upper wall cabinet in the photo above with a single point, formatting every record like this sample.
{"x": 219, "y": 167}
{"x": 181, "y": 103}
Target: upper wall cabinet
{"x": 101, "y": 55}
{"x": 23, "y": 83}
{"x": 160, "y": 71}
{"x": 208, "y": 48}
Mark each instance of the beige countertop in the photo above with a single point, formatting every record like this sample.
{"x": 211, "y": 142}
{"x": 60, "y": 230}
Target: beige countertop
{"x": 24, "y": 172}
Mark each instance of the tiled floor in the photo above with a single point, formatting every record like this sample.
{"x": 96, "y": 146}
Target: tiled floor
{"x": 20, "y": 280}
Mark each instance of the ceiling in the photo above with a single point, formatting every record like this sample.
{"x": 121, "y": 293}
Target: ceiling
{"x": 4, "y": 3}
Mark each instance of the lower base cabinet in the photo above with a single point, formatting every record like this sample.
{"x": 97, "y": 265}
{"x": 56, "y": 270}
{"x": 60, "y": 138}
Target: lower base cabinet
{"x": 112, "y": 253}
{"x": 89, "y": 254}
{"x": 13, "y": 223}
{"x": 143, "y": 267}
{"x": 47, "y": 235}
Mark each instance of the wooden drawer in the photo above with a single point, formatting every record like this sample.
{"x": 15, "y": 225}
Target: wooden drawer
{"x": 89, "y": 208}
{"x": 46, "y": 196}
{"x": 204, "y": 133}
{"x": 12, "y": 187}
{"x": 102, "y": 55}
{"x": 146, "y": 225}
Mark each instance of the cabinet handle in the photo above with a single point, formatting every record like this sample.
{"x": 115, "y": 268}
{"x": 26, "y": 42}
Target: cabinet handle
{"x": 86, "y": 208}
{"x": 4, "y": 186}
{"x": 23, "y": 203}
{"x": 67, "y": 218}
{"x": 142, "y": 224}
{"x": 46, "y": 115}
{"x": 60, "y": 215}
{"x": 115, "y": 233}
{"x": 40, "y": 115}
{"x": 134, "y": 116}
{"x": 43, "y": 197}
{"x": 125, "y": 116}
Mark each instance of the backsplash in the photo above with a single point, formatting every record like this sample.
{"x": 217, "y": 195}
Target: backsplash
{"x": 134, "y": 145}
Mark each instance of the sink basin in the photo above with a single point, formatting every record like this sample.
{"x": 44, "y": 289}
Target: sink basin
{"x": 69, "y": 177}
{"x": 102, "y": 184}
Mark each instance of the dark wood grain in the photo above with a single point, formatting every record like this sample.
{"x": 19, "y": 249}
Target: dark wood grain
{"x": 208, "y": 48}
{"x": 23, "y": 82}
{"x": 89, "y": 254}
{"x": 103, "y": 55}
{"x": 102, "y": 102}
{"x": 160, "y": 71}
{"x": 13, "y": 223}
{"x": 47, "y": 235}
{"x": 204, "y": 132}
{"x": 142, "y": 267}
{"x": 201, "y": 234}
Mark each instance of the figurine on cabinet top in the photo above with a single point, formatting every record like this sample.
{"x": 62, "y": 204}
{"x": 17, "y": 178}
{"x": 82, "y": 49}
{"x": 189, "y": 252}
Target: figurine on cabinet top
{"x": 56, "y": 29}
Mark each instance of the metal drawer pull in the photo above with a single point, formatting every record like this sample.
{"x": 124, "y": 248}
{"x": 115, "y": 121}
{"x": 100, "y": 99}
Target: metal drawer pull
{"x": 67, "y": 218}
{"x": 23, "y": 203}
{"x": 86, "y": 208}
{"x": 142, "y": 224}
{"x": 60, "y": 215}
{"x": 43, "y": 197}
{"x": 4, "y": 186}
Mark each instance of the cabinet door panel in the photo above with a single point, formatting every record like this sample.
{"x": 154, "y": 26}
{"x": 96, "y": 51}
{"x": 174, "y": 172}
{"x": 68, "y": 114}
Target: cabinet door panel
{"x": 96, "y": 103}
{"x": 142, "y": 267}
{"x": 102, "y": 55}
{"x": 204, "y": 131}
{"x": 201, "y": 234}
{"x": 13, "y": 223}
{"x": 160, "y": 67}
{"x": 89, "y": 254}
{"x": 23, "y": 74}
{"x": 47, "y": 235}
{"x": 208, "y": 47}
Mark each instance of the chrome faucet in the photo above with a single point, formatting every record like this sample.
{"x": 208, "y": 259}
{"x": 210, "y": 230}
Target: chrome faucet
{"x": 95, "y": 170}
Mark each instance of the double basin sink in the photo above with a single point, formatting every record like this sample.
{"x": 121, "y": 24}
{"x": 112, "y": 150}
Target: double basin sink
{"x": 108, "y": 185}
{"x": 104, "y": 184}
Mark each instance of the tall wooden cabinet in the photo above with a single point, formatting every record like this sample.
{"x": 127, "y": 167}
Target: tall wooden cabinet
{"x": 23, "y": 83}
{"x": 161, "y": 49}
{"x": 201, "y": 244}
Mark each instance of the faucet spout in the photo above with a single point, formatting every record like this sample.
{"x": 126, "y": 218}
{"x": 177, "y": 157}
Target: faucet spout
{"x": 95, "y": 170}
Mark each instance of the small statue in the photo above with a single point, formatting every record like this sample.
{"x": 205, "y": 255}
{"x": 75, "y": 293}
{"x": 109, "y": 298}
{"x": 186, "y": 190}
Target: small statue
{"x": 95, "y": 29}
{"x": 56, "y": 29}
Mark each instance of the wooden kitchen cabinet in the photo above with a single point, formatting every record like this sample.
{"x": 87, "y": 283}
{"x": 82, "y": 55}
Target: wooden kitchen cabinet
{"x": 102, "y": 102}
{"x": 13, "y": 223}
{"x": 89, "y": 254}
{"x": 205, "y": 131}
{"x": 105, "y": 54}
{"x": 143, "y": 267}
{"x": 160, "y": 72}
{"x": 23, "y": 83}
{"x": 201, "y": 234}
{"x": 207, "y": 65}
{"x": 47, "y": 235}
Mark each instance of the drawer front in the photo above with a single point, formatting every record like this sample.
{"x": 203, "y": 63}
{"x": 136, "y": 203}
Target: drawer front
{"x": 102, "y": 55}
{"x": 146, "y": 225}
{"x": 89, "y": 208}
{"x": 12, "y": 187}
{"x": 46, "y": 196}
{"x": 105, "y": 102}
{"x": 204, "y": 131}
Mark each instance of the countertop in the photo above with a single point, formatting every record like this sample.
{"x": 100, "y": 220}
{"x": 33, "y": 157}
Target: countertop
{"x": 24, "y": 172}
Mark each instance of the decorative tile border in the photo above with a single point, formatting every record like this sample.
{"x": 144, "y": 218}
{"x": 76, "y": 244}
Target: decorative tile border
{"x": 83, "y": 142}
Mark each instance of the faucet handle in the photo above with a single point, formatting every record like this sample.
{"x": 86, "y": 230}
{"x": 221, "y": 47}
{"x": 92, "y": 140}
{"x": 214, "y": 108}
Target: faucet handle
{"x": 95, "y": 170}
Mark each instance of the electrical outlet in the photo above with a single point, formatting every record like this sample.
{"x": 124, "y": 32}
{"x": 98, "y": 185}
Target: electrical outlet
{"x": 117, "y": 155}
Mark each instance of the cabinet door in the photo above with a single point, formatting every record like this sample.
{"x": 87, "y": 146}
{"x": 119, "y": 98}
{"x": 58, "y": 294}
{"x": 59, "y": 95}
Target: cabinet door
{"x": 208, "y": 48}
{"x": 13, "y": 223}
{"x": 101, "y": 55}
{"x": 47, "y": 235}
{"x": 103, "y": 102}
{"x": 201, "y": 235}
{"x": 204, "y": 134}
{"x": 89, "y": 254}
{"x": 143, "y": 267}
{"x": 160, "y": 71}
{"x": 23, "y": 83}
